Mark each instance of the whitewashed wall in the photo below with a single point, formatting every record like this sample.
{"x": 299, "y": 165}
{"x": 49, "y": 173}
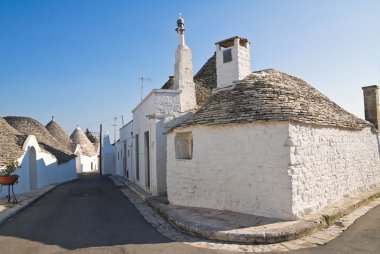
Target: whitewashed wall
{"x": 149, "y": 116}
{"x": 125, "y": 141}
{"x": 142, "y": 124}
{"x": 48, "y": 170}
{"x": 108, "y": 156}
{"x": 327, "y": 164}
{"x": 86, "y": 163}
{"x": 242, "y": 168}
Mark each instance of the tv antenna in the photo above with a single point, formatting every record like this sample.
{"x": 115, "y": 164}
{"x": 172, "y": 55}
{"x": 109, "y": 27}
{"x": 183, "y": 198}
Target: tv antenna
{"x": 143, "y": 79}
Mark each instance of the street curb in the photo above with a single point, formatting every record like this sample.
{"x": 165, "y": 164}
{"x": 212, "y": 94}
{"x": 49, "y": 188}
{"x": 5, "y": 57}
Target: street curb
{"x": 308, "y": 225}
{"x": 7, "y": 214}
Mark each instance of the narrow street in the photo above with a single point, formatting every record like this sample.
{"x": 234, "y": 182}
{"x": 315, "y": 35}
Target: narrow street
{"x": 90, "y": 215}
{"x": 87, "y": 213}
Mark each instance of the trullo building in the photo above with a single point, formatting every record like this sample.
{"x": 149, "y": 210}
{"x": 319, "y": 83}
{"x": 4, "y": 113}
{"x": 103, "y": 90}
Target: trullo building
{"x": 44, "y": 160}
{"x": 86, "y": 152}
{"x": 268, "y": 143}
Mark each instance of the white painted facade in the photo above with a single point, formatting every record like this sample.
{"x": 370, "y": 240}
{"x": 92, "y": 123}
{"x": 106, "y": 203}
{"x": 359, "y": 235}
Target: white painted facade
{"x": 149, "y": 143}
{"x": 40, "y": 168}
{"x": 239, "y": 66}
{"x": 276, "y": 169}
{"x": 123, "y": 151}
{"x": 141, "y": 150}
{"x": 108, "y": 156}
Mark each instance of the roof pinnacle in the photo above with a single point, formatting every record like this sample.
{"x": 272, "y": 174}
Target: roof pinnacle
{"x": 180, "y": 30}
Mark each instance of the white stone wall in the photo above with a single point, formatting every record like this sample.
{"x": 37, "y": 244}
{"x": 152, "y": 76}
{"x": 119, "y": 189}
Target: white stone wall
{"x": 237, "y": 69}
{"x": 167, "y": 103}
{"x": 242, "y": 168}
{"x": 244, "y": 61}
{"x": 327, "y": 164}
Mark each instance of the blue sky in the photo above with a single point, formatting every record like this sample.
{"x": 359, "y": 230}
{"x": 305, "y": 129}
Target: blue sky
{"x": 81, "y": 60}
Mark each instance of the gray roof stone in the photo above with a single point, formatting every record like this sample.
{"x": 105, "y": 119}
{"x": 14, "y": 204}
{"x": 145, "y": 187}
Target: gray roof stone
{"x": 11, "y": 142}
{"x": 59, "y": 134}
{"x": 47, "y": 142}
{"x": 270, "y": 95}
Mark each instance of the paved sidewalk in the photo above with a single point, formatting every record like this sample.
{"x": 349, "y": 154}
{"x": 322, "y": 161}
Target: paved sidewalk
{"x": 7, "y": 210}
{"x": 265, "y": 234}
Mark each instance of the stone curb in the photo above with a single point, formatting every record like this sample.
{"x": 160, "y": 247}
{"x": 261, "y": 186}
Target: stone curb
{"x": 310, "y": 224}
{"x": 34, "y": 196}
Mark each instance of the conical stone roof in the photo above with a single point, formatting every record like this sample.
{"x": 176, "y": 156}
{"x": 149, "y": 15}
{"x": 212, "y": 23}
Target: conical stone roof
{"x": 79, "y": 137}
{"x": 11, "y": 142}
{"x": 47, "y": 142}
{"x": 270, "y": 95}
{"x": 59, "y": 134}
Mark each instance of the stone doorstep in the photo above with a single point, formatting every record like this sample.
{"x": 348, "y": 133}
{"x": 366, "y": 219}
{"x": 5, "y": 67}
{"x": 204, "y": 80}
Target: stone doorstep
{"x": 310, "y": 224}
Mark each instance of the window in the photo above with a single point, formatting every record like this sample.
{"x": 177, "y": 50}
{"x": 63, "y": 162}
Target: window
{"x": 227, "y": 56}
{"x": 184, "y": 145}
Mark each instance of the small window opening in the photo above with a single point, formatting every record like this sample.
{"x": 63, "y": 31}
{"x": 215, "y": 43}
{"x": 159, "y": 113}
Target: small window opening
{"x": 227, "y": 55}
{"x": 184, "y": 145}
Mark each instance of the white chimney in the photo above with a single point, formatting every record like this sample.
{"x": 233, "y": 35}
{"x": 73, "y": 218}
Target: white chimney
{"x": 232, "y": 60}
{"x": 183, "y": 70}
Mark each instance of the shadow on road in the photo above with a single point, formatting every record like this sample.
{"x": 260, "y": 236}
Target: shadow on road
{"x": 89, "y": 212}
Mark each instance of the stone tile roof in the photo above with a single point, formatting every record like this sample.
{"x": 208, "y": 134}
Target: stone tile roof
{"x": 205, "y": 81}
{"x": 11, "y": 142}
{"x": 47, "y": 142}
{"x": 270, "y": 95}
{"x": 59, "y": 134}
{"x": 79, "y": 137}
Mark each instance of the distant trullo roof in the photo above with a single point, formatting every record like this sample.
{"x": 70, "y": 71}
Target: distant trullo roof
{"x": 270, "y": 95}
{"x": 47, "y": 142}
{"x": 79, "y": 137}
{"x": 11, "y": 142}
{"x": 59, "y": 134}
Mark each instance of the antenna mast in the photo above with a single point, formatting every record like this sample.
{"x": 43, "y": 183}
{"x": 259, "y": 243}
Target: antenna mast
{"x": 142, "y": 84}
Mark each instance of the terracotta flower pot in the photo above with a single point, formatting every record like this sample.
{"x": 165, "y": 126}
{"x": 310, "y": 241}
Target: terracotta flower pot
{"x": 8, "y": 180}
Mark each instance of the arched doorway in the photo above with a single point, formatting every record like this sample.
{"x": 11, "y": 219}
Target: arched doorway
{"x": 33, "y": 168}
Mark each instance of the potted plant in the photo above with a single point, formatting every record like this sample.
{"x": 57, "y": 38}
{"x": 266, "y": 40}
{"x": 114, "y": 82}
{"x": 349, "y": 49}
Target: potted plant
{"x": 6, "y": 177}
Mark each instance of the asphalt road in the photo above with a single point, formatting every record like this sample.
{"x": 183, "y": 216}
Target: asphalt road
{"x": 90, "y": 215}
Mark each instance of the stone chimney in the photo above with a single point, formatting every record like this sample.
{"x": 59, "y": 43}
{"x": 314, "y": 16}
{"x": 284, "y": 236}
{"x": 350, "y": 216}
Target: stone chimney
{"x": 232, "y": 60}
{"x": 183, "y": 70}
{"x": 371, "y": 105}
